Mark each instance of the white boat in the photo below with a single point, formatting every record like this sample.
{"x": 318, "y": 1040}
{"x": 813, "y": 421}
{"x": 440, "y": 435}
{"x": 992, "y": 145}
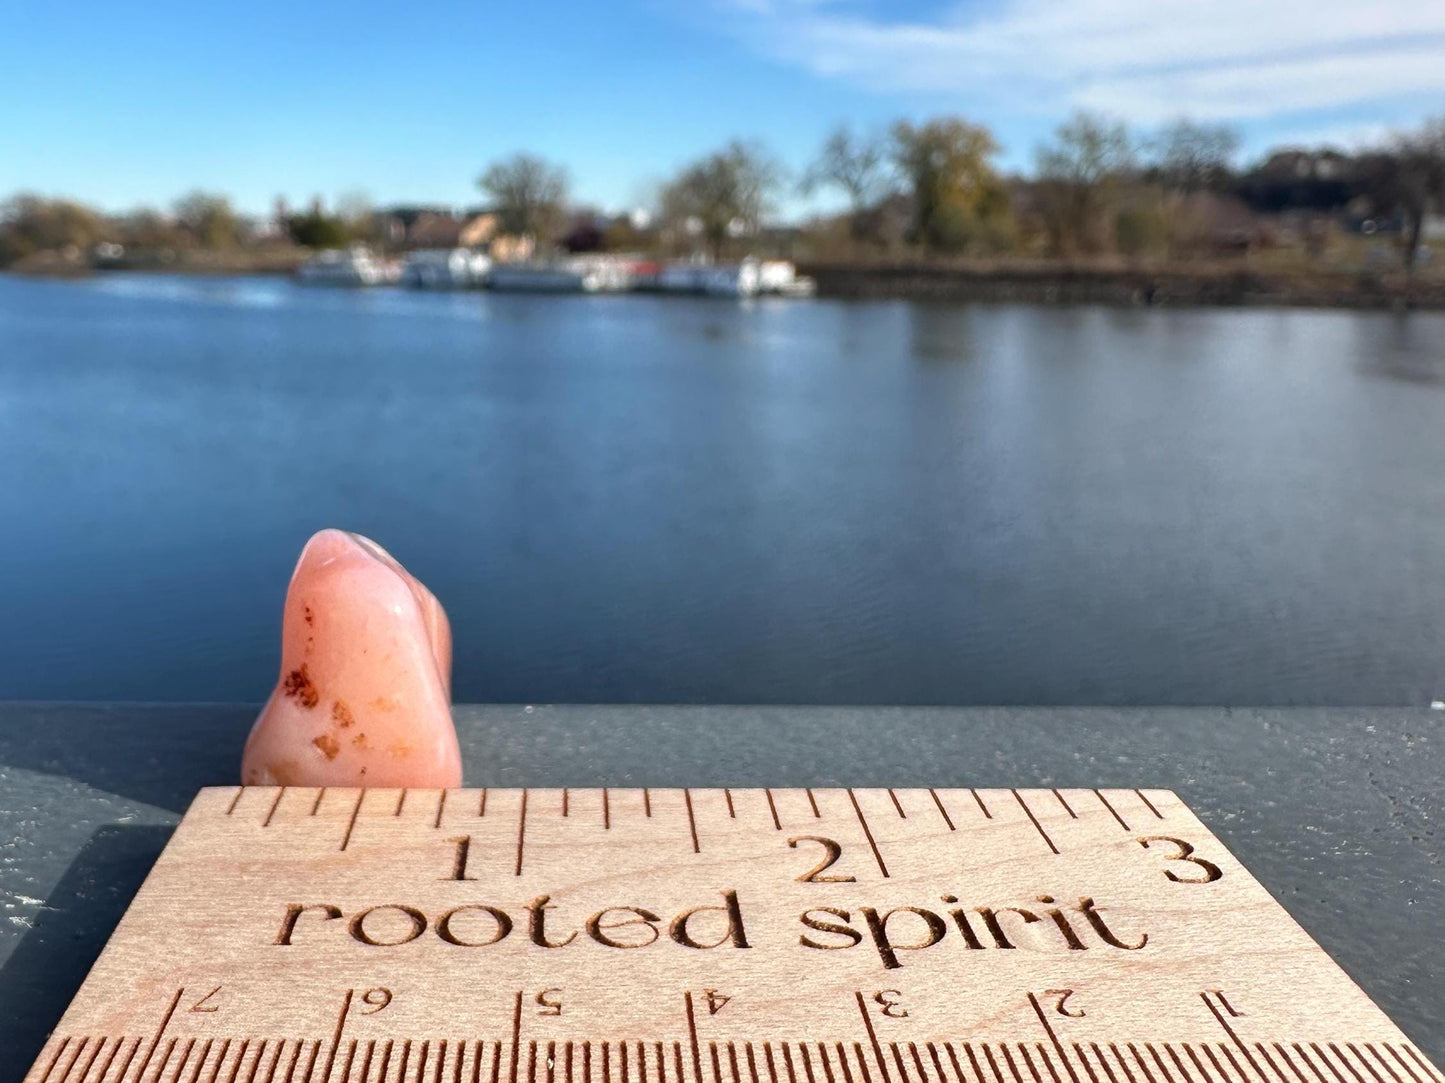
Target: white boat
{"x": 445, "y": 269}
{"x": 733, "y": 279}
{"x": 353, "y": 266}
{"x": 579, "y": 274}
{"x": 778, "y": 277}
{"x": 749, "y": 277}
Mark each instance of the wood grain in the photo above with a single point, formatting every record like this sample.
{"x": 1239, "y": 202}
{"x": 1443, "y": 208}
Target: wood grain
{"x": 712, "y": 936}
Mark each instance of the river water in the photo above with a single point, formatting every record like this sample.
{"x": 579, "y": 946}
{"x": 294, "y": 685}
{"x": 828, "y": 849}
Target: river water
{"x": 650, "y": 499}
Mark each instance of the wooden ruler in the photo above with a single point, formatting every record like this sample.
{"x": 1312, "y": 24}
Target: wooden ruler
{"x": 712, "y": 936}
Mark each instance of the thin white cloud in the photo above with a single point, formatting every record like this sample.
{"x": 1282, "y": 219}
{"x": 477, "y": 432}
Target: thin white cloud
{"x": 1144, "y": 60}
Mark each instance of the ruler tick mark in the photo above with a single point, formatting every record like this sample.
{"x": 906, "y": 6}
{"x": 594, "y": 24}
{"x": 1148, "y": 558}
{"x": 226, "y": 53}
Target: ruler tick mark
{"x": 647, "y": 802}
{"x": 346, "y": 1071}
{"x": 516, "y": 1034}
{"x": 1180, "y": 1064}
{"x": 160, "y": 1031}
{"x": 813, "y": 804}
{"x": 272, "y": 810}
{"x": 1084, "y": 1060}
{"x": 240, "y": 791}
{"x": 441, "y": 805}
{"x": 937, "y": 1064}
{"x": 941, "y": 810}
{"x": 777, "y": 824}
{"x": 482, "y": 804}
{"x": 691, "y": 821}
{"x": 1141, "y": 1062}
{"x": 1072, "y": 814}
{"x": 807, "y": 1063}
{"x": 1163, "y": 1068}
{"x": 1028, "y": 1062}
{"x": 1034, "y": 820}
{"x": 336, "y": 1034}
{"x": 877, "y": 856}
{"x": 1263, "y": 1052}
{"x": 732, "y": 812}
{"x": 1383, "y": 1061}
{"x": 521, "y": 836}
{"x": 1053, "y": 1038}
{"x": 1223, "y": 1072}
{"x": 565, "y": 800}
{"x": 316, "y": 805}
{"x": 1148, "y": 804}
{"x": 1300, "y": 1052}
{"x": 1008, "y": 1059}
{"x": 1228, "y": 1029}
{"x": 981, "y": 806}
{"x": 606, "y": 810}
{"x": 351, "y": 823}
{"x": 235, "y": 1068}
{"x": 200, "y": 1061}
{"x": 958, "y": 1068}
{"x": 1396, "y": 1054}
{"x": 1424, "y": 1067}
{"x": 993, "y": 1064}
{"x": 55, "y": 1059}
{"x": 868, "y": 1020}
{"x": 119, "y": 1042}
{"x": 1284, "y": 1056}
{"x": 400, "y": 801}
{"x": 295, "y": 1058}
{"x": 311, "y": 1061}
{"x": 75, "y": 1059}
{"x": 897, "y": 805}
{"x": 692, "y": 1037}
{"x": 1112, "y": 812}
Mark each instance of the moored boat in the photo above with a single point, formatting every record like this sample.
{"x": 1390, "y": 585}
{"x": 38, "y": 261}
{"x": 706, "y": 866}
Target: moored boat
{"x": 578, "y": 274}
{"x": 445, "y": 269}
{"x": 354, "y": 266}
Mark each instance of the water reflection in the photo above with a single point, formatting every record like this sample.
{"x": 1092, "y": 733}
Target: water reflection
{"x": 671, "y": 500}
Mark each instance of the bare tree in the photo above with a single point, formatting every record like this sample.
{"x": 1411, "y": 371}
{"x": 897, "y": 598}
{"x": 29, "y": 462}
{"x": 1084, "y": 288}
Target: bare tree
{"x": 1408, "y": 179}
{"x": 530, "y": 193}
{"x": 726, "y": 193}
{"x": 1190, "y": 156}
{"x": 1079, "y": 176}
{"x": 858, "y": 167}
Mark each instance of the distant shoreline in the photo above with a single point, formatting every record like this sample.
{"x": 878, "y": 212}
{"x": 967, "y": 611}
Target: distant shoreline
{"x": 1054, "y": 283}
{"x": 1034, "y": 282}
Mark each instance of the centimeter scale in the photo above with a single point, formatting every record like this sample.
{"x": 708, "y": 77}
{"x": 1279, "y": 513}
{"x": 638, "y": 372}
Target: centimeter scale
{"x": 712, "y": 936}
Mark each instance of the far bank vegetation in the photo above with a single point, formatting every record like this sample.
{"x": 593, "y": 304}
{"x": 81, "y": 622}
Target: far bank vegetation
{"x": 928, "y": 192}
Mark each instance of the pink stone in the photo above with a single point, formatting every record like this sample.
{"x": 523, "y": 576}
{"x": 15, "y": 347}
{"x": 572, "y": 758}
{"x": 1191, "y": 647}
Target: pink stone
{"x": 364, "y": 697}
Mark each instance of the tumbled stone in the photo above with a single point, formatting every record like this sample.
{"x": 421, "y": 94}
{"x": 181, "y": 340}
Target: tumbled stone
{"x": 364, "y": 696}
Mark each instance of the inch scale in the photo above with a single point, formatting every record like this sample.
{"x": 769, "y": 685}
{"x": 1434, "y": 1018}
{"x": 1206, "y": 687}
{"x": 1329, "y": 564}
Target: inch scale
{"x": 711, "y": 936}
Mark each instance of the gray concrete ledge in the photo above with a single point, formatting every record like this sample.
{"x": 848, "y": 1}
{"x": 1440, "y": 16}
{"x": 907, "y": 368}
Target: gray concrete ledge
{"x": 1337, "y": 812}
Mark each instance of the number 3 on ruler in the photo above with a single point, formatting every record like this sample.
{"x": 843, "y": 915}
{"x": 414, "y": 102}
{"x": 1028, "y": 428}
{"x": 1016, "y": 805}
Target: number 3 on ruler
{"x": 1185, "y": 852}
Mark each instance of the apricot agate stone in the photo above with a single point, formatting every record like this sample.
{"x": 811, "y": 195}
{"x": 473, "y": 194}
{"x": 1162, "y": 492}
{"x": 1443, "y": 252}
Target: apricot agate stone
{"x": 364, "y": 697}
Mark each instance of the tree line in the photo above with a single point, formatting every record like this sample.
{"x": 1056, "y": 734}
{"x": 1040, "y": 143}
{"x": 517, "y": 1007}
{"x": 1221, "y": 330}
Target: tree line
{"x": 932, "y": 188}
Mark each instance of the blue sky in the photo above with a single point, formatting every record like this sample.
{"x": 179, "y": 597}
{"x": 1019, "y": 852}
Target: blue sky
{"x": 123, "y": 104}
